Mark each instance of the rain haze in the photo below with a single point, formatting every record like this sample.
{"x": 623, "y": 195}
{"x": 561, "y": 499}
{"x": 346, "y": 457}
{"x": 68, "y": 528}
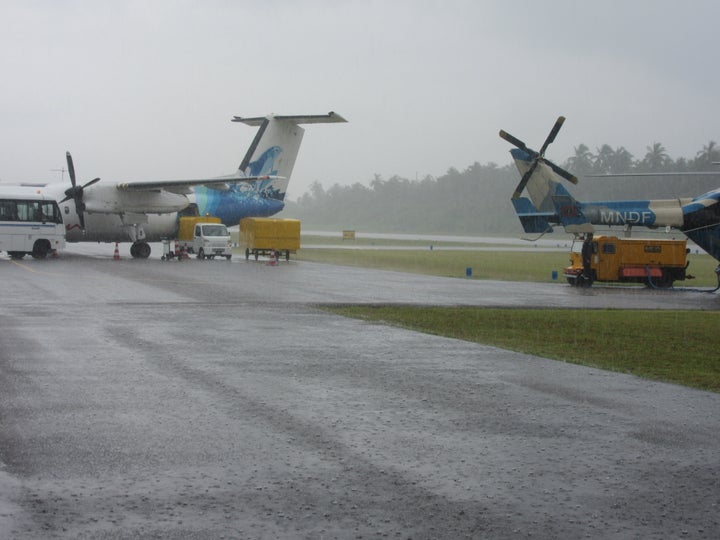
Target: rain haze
{"x": 146, "y": 90}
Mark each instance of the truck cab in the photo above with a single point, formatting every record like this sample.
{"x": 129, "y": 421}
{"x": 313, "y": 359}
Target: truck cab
{"x": 211, "y": 240}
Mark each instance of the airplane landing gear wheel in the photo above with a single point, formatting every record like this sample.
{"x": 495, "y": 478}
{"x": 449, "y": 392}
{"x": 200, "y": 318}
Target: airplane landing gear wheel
{"x": 140, "y": 250}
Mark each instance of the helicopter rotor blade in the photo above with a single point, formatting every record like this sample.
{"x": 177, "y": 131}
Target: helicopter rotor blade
{"x": 525, "y": 179}
{"x": 561, "y": 172}
{"x": 553, "y": 133}
{"x": 513, "y": 140}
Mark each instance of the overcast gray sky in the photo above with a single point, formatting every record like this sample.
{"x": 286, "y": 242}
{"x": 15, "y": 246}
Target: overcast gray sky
{"x": 145, "y": 89}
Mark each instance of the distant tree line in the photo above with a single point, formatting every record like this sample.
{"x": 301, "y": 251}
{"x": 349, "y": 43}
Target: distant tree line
{"x": 607, "y": 160}
{"x": 476, "y": 201}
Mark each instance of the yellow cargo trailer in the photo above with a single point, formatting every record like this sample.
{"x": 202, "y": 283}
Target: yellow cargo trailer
{"x": 264, "y": 236}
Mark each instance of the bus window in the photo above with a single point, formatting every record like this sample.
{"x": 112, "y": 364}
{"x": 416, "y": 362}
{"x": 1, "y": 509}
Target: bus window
{"x": 8, "y": 211}
{"x": 51, "y": 212}
{"x": 28, "y": 211}
{"x": 35, "y": 213}
{"x": 23, "y": 211}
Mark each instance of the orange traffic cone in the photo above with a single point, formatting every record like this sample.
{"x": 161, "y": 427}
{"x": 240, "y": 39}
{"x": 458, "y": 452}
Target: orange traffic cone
{"x": 116, "y": 255}
{"x": 273, "y": 260}
{"x": 54, "y": 254}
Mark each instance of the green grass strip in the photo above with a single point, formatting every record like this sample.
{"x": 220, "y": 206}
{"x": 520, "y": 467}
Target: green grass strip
{"x": 674, "y": 346}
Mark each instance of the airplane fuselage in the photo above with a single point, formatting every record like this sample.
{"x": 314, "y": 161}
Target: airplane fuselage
{"x": 112, "y": 215}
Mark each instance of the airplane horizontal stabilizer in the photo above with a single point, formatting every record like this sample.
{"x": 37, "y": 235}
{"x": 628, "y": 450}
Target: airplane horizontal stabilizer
{"x": 532, "y": 220}
{"x": 328, "y": 118}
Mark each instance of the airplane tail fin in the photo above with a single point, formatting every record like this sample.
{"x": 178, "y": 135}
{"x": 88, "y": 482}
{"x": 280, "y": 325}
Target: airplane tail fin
{"x": 549, "y": 201}
{"x": 276, "y": 145}
{"x": 272, "y": 154}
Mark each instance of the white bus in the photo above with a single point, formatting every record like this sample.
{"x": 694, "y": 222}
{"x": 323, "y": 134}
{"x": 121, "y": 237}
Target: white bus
{"x": 30, "y": 223}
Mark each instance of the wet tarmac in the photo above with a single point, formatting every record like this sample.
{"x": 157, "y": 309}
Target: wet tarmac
{"x": 215, "y": 399}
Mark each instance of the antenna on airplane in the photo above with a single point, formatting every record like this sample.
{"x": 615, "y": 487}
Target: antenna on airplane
{"x": 76, "y": 192}
{"x": 538, "y": 157}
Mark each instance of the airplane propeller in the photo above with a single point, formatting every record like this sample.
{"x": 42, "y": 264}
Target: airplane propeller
{"x": 538, "y": 157}
{"x": 76, "y": 192}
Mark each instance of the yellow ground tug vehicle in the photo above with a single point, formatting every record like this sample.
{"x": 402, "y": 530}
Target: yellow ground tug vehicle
{"x": 657, "y": 263}
{"x": 265, "y": 236}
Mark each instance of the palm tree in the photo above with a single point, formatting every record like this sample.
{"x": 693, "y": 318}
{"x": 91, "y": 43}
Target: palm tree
{"x": 582, "y": 161}
{"x": 656, "y": 158}
{"x": 710, "y": 153}
{"x": 623, "y": 161}
{"x": 604, "y": 159}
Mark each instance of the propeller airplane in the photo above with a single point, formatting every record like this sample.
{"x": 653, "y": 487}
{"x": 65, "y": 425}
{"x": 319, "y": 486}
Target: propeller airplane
{"x": 143, "y": 212}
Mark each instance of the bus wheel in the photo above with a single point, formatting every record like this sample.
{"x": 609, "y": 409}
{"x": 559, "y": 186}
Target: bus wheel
{"x": 41, "y": 249}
